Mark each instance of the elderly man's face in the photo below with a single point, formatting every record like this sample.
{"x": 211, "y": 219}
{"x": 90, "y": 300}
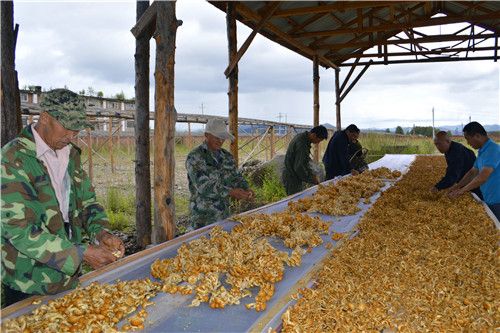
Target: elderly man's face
{"x": 214, "y": 143}
{"x": 54, "y": 134}
{"x": 443, "y": 145}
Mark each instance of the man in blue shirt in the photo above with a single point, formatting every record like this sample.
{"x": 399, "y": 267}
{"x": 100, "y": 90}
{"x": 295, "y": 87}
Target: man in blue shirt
{"x": 486, "y": 170}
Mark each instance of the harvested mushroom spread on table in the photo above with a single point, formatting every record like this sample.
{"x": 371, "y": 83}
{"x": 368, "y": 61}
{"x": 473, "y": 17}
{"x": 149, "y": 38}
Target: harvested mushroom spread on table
{"x": 421, "y": 263}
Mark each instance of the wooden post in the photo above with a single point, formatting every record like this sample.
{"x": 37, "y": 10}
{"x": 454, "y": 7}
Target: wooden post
{"x": 190, "y": 138}
{"x": 141, "y": 132}
{"x": 316, "y": 101}
{"x": 110, "y": 145}
{"x": 91, "y": 163}
{"x": 165, "y": 117}
{"x": 337, "y": 98}
{"x": 233, "y": 77}
{"x": 119, "y": 139}
{"x": 11, "y": 122}
{"x": 271, "y": 139}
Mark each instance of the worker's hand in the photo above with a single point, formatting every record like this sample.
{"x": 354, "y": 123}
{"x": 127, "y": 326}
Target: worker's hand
{"x": 434, "y": 189}
{"x": 354, "y": 172}
{"x": 98, "y": 256}
{"x": 453, "y": 188}
{"x": 238, "y": 193}
{"x": 112, "y": 243}
{"x": 456, "y": 193}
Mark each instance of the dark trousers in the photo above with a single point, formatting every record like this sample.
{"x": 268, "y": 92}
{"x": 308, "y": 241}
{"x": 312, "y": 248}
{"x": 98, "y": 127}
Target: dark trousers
{"x": 12, "y": 296}
{"x": 495, "y": 208}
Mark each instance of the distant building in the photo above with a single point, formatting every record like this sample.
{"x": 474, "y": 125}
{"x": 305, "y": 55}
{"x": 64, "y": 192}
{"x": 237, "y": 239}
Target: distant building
{"x": 34, "y": 95}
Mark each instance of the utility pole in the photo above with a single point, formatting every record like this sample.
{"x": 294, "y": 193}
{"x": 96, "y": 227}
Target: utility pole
{"x": 280, "y": 117}
{"x": 202, "y": 107}
{"x": 470, "y": 119}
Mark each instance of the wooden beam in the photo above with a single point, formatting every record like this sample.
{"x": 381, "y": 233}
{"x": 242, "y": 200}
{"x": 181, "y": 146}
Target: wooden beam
{"x": 245, "y": 12}
{"x": 427, "y": 60}
{"x": 141, "y": 133}
{"x": 400, "y": 26}
{"x": 428, "y": 52}
{"x": 353, "y": 67}
{"x": 355, "y": 81}
{"x": 428, "y": 39}
{"x": 165, "y": 118}
{"x": 380, "y": 36}
{"x": 146, "y": 24}
{"x": 233, "y": 77}
{"x": 370, "y": 13}
{"x": 339, "y": 6}
{"x": 496, "y": 50}
{"x": 337, "y": 99}
{"x": 273, "y": 7}
{"x": 316, "y": 102}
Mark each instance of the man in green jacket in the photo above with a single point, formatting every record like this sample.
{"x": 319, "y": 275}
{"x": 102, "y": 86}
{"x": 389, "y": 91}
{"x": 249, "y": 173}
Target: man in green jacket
{"x": 48, "y": 203}
{"x": 213, "y": 177}
{"x": 297, "y": 169}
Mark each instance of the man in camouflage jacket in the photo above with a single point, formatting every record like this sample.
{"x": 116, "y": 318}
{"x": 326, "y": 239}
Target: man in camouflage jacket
{"x": 213, "y": 177}
{"x": 42, "y": 253}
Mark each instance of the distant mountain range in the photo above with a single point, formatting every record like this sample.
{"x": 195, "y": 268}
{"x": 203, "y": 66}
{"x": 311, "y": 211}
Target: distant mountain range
{"x": 455, "y": 129}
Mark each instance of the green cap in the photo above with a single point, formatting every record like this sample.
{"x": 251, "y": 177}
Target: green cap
{"x": 67, "y": 107}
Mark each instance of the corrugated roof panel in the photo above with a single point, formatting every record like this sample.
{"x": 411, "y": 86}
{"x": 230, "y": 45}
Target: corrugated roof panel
{"x": 381, "y": 12}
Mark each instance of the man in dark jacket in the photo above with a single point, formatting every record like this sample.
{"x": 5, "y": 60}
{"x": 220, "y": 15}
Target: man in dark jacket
{"x": 459, "y": 160}
{"x": 336, "y": 158}
{"x": 297, "y": 160}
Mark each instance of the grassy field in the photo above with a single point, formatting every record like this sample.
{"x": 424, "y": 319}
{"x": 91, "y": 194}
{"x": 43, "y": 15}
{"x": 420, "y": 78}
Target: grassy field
{"x": 116, "y": 191}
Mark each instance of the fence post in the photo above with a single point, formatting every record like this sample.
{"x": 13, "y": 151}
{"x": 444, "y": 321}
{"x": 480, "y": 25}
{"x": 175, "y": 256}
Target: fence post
{"x": 91, "y": 163}
{"x": 110, "y": 122}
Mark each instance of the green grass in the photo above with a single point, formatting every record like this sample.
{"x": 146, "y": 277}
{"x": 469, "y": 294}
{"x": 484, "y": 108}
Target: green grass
{"x": 380, "y": 144}
{"x": 120, "y": 208}
{"x": 181, "y": 205}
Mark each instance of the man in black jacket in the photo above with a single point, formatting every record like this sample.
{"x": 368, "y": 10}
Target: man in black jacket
{"x": 336, "y": 158}
{"x": 458, "y": 158}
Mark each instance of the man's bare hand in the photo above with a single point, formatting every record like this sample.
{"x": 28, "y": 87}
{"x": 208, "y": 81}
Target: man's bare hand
{"x": 453, "y": 188}
{"x": 112, "y": 243}
{"x": 354, "y": 172}
{"x": 238, "y": 193}
{"x": 316, "y": 180}
{"x": 456, "y": 193}
{"x": 98, "y": 256}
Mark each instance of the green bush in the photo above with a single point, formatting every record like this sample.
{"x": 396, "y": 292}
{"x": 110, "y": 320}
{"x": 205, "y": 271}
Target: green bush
{"x": 271, "y": 190}
{"x": 120, "y": 221}
{"x": 118, "y": 202}
{"x": 120, "y": 209}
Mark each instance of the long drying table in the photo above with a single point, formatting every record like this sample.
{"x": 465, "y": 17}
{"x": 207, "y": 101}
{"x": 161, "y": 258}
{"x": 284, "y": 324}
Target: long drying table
{"x": 171, "y": 313}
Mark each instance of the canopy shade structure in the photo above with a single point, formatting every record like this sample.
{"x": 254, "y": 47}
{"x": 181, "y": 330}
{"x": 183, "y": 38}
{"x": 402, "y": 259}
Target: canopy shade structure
{"x": 339, "y": 31}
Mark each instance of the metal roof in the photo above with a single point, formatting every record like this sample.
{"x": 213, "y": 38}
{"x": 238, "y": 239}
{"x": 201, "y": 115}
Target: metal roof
{"x": 337, "y": 31}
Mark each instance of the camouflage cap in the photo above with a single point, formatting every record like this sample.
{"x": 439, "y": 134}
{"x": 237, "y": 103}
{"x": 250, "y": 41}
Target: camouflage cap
{"x": 67, "y": 107}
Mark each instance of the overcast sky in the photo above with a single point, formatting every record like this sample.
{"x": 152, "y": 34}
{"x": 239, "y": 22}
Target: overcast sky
{"x": 82, "y": 44}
